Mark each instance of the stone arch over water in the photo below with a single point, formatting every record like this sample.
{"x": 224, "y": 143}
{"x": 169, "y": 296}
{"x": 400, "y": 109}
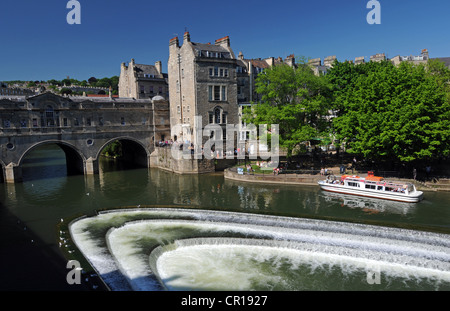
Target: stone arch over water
{"x": 133, "y": 151}
{"x": 75, "y": 160}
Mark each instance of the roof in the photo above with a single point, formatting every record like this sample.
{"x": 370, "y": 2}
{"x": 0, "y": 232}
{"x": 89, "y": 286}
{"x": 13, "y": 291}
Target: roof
{"x": 146, "y": 69}
{"x": 209, "y": 47}
{"x": 259, "y": 63}
{"x": 158, "y": 97}
{"x": 100, "y": 95}
{"x": 200, "y": 49}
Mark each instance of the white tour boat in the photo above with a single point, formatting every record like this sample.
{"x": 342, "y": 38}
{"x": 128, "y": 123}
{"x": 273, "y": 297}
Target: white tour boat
{"x": 373, "y": 187}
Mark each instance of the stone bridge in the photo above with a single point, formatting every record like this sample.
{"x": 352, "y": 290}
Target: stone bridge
{"x": 82, "y": 127}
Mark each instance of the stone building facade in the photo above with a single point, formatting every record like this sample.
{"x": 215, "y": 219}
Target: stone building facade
{"x": 202, "y": 82}
{"x": 142, "y": 81}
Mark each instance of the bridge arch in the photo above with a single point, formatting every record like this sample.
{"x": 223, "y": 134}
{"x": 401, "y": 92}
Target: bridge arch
{"x": 75, "y": 160}
{"x": 134, "y": 151}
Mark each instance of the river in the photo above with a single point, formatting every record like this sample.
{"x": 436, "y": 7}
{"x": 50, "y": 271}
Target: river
{"x": 31, "y": 211}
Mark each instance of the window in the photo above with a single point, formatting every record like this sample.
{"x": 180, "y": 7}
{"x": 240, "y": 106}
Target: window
{"x": 76, "y": 122}
{"x": 211, "y": 118}
{"x": 49, "y": 116}
{"x": 178, "y": 109}
{"x": 216, "y": 92}
{"x": 224, "y": 93}
{"x": 35, "y": 123}
{"x": 218, "y": 72}
{"x": 7, "y": 123}
{"x": 353, "y": 184}
{"x": 64, "y": 121}
{"x": 142, "y": 89}
{"x": 100, "y": 121}
{"x": 217, "y": 114}
{"x": 23, "y": 123}
{"x": 160, "y": 90}
{"x": 122, "y": 120}
{"x": 88, "y": 121}
{"x": 151, "y": 89}
{"x": 224, "y": 118}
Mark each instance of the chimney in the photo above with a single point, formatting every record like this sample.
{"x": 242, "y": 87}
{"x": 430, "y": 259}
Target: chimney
{"x": 241, "y": 55}
{"x": 158, "y": 66}
{"x": 174, "y": 41}
{"x": 187, "y": 37}
{"x": 225, "y": 41}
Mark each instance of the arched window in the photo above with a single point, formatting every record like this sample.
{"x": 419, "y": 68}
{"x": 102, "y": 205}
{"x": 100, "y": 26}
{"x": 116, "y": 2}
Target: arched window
{"x": 217, "y": 115}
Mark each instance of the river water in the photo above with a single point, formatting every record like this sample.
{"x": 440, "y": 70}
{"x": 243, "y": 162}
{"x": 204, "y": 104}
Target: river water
{"x": 48, "y": 195}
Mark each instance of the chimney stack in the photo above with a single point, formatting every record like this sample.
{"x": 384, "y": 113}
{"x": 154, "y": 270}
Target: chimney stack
{"x": 158, "y": 66}
{"x": 187, "y": 37}
{"x": 225, "y": 41}
{"x": 174, "y": 41}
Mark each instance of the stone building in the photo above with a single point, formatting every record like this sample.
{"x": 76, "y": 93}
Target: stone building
{"x": 142, "y": 81}
{"x": 378, "y": 57}
{"x": 202, "y": 82}
{"x": 417, "y": 59}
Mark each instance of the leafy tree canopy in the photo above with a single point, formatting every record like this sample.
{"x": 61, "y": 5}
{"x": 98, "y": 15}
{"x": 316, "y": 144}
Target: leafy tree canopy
{"x": 392, "y": 113}
{"x": 293, "y": 98}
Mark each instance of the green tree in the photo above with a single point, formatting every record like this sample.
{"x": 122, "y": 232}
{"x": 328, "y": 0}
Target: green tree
{"x": 391, "y": 113}
{"x": 113, "y": 150}
{"x": 296, "y": 100}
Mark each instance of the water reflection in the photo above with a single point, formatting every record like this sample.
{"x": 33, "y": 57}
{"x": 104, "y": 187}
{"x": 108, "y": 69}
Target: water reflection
{"x": 369, "y": 205}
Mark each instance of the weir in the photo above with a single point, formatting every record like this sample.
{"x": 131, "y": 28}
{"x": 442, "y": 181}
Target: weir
{"x": 139, "y": 243}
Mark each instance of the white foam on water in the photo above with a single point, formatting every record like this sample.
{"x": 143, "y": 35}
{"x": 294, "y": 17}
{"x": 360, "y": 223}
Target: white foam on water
{"x": 399, "y": 252}
{"x": 237, "y": 266}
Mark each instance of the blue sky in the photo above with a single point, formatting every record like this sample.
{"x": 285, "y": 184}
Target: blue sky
{"x": 38, "y": 44}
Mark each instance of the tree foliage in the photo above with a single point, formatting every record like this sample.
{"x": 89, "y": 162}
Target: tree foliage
{"x": 388, "y": 112}
{"x": 293, "y": 98}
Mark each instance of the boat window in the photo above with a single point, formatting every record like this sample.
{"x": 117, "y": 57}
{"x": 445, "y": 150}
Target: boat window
{"x": 353, "y": 184}
{"x": 370, "y": 186}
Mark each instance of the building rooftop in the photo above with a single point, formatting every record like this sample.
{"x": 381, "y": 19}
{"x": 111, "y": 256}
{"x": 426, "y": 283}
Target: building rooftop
{"x": 142, "y": 69}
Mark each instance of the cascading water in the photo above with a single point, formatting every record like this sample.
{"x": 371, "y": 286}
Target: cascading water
{"x": 181, "y": 249}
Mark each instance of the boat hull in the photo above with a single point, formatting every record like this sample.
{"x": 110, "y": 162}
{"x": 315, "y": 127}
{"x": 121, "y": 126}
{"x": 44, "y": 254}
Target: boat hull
{"x": 415, "y": 197}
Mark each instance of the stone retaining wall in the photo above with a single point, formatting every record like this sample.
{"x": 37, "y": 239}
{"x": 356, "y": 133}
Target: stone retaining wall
{"x": 269, "y": 178}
